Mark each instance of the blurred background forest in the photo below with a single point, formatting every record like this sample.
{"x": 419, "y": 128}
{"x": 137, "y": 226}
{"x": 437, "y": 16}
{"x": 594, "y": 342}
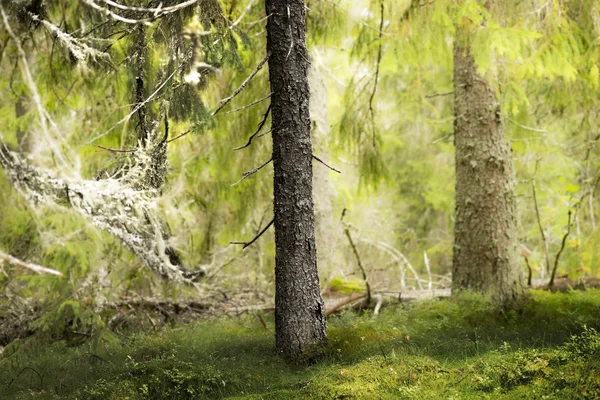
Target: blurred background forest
{"x": 382, "y": 113}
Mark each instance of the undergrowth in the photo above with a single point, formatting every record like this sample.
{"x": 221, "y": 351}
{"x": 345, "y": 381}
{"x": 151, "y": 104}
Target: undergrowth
{"x": 453, "y": 349}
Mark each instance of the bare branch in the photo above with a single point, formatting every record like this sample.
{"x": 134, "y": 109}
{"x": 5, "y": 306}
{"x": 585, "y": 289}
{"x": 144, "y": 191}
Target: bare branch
{"x": 33, "y": 267}
{"x": 562, "y": 247}
{"x": 325, "y": 164}
{"x": 248, "y": 7}
{"x": 378, "y": 61}
{"x": 539, "y": 220}
{"x": 253, "y": 171}
{"x": 430, "y": 96}
{"x": 260, "y": 126}
{"x": 178, "y": 136}
{"x": 224, "y": 102}
{"x": 526, "y": 127}
{"x": 246, "y": 244}
{"x": 115, "y": 150}
{"x": 247, "y": 106}
{"x": 359, "y": 262}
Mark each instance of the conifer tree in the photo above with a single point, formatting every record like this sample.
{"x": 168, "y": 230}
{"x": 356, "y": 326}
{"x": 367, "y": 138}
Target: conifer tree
{"x": 299, "y": 309}
{"x": 485, "y": 255}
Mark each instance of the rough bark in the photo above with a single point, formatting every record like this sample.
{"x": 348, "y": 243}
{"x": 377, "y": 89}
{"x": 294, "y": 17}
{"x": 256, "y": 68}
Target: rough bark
{"x": 300, "y": 312}
{"x": 486, "y": 257}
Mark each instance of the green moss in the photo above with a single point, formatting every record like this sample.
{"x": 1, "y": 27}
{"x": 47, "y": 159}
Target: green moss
{"x": 460, "y": 348}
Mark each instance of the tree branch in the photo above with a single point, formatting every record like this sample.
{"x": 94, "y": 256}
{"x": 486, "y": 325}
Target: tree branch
{"x": 260, "y": 126}
{"x": 224, "y": 102}
{"x": 325, "y": 164}
{"x": 247, "y": 244}
{"x": 33, "y": 267}
{"x": 247, "y": 106}
{"x": 253, "y": 171}
{"x": 562, "y": 247}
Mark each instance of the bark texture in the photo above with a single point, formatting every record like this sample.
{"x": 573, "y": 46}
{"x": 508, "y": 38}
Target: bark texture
{"x": 486, "y": 257}
{"x": 299, "y": 309}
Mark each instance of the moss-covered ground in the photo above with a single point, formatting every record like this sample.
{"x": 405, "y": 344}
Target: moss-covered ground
{"x": 441, "y": 349}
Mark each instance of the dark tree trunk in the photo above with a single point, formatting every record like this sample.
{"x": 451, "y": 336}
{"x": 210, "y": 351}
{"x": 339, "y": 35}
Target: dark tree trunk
{"x": 299, "y": 310}
{"x": 486, "y": 258}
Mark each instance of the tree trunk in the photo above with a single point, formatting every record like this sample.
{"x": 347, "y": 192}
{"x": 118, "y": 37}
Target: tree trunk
{"x": 486, "y": 258}
{"x": 299, "y": 309}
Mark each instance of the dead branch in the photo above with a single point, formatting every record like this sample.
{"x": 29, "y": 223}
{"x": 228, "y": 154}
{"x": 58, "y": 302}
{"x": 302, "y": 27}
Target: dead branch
{"x": 359, "y": 262}
{"x": 253, "y": 171}
{"x": 562, "y": 247}
{"x": 247, "y": 105}
{"x": 224, "y": 102}
{"x": 247, "y": 244}
{"x": 179, "y": 136}
{"x": 260, "y": 126}
{"x": 539, "y": 220}
{"x": 33, "y": 267}
{"x": 325, "y": 164}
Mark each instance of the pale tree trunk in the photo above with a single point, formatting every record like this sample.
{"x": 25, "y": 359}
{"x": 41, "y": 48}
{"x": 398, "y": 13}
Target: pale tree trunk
{"x": 486, "y": 258}
{"x": 327, "y": 225}
{"x": 300, "y": 324}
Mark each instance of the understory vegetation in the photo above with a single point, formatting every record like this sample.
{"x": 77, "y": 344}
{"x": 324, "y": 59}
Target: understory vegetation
{"x": 460, "y": 348}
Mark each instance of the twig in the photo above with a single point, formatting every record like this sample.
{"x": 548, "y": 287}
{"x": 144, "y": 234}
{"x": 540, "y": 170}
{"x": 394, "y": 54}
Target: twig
{"x": 246, "y": 244}
{"x": 526, "y": 127}
{"x": 248, "y": 7}
{"x": 378, "y": 305}
{"x": 426, "y": 259}
{"x": 562, "y": 247}
{"x": 378, "y": 62}
{"x": 529, "y": 271}
{"x": 224, "y": 102}
{"x": 180, "y": 135}
{"x": 362, "y": 269}
{"x": 443, "y": 138}
{"x": 539, "y": 220}
{"x": 260, "y": 126}
{"x": 34, "y": 267}
{"x": 247, "y": 106}
{"x": 253, "y": 171}
{"x": 325, "y": 164}
{"x": 116, "y": 150}
{"x": 430, "y": 96}
{"x": 23, "y": 370}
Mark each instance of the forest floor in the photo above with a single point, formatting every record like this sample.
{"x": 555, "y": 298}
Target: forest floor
{"x": 458, "y": 348}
